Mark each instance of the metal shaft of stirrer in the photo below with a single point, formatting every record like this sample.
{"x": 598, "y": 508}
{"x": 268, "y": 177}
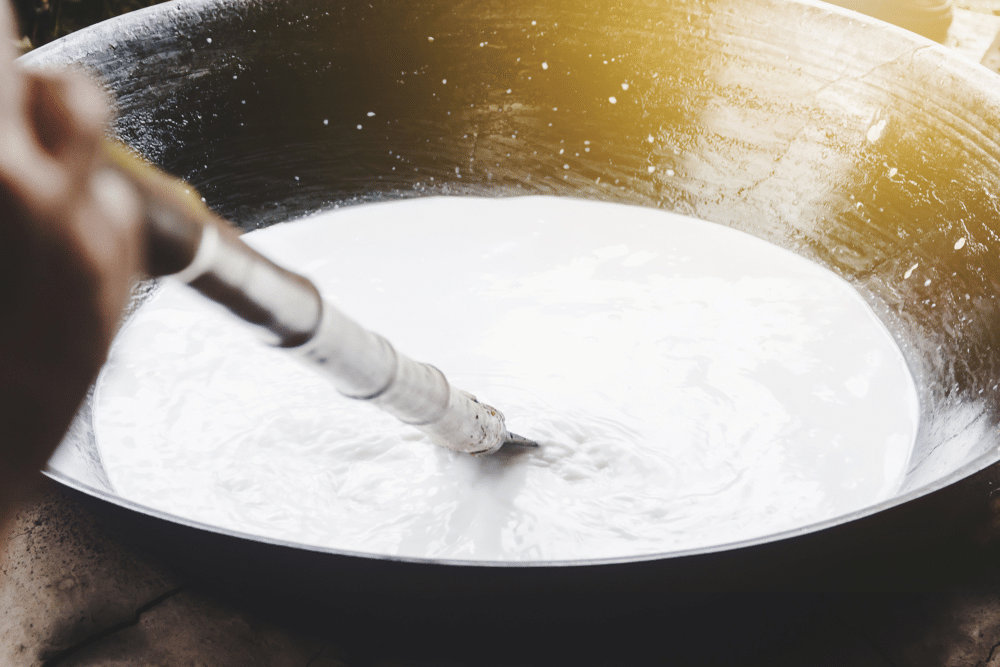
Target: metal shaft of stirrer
{"x": 187, "y": 241}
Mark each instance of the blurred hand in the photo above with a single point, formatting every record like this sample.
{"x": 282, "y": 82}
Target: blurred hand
{"x": 69, "y": 248}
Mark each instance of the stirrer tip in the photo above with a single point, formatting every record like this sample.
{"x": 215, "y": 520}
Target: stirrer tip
{"x": 519, "y": 440}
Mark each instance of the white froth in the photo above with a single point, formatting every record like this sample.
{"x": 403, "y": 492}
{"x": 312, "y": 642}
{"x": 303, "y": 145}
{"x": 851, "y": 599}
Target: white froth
{"x": 691, "y": 386}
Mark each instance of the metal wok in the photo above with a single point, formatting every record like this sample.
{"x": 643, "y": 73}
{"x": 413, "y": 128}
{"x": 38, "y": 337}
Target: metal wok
{"x": 856, "y": 144}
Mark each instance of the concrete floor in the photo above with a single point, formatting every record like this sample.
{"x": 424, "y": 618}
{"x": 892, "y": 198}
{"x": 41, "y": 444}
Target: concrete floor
{"x": 73, "y": 593}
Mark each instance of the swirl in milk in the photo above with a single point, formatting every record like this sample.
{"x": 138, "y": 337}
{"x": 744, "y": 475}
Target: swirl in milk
{"x": 691, "y": 386}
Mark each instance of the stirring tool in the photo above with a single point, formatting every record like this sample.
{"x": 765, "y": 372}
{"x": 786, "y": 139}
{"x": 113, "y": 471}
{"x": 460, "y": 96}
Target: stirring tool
{"x": 185, "y": 240}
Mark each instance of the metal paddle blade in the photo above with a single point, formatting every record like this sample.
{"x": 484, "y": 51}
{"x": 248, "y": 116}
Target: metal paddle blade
{"x": 519, "y": 440}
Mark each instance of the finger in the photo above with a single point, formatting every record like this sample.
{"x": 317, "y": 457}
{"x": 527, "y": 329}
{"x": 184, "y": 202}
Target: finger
{"x": 118, "y": 201}
{"x": 118, "y": 213}
{"x": 68, "y": 114}
{"x": 107, "y": 233}
{"x": 63, "y": 122}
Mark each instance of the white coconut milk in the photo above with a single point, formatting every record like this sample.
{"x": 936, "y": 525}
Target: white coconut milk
{"x": 690, "y": 386}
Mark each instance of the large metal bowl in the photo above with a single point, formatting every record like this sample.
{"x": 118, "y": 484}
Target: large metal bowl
{"x": 858, "y": 145}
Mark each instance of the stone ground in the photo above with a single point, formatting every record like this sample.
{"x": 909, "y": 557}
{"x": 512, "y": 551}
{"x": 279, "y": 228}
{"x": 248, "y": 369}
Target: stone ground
{"x": 74, "y": 594}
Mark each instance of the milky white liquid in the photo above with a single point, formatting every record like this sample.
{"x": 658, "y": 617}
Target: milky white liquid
{"x": 690, "y": 386}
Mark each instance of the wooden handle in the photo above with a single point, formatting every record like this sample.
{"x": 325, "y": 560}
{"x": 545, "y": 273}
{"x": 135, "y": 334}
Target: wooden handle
{"x": 185, "y": 239}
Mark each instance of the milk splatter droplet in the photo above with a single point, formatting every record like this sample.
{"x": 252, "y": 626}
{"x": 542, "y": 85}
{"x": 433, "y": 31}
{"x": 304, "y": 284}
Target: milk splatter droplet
{"x": 876, "y": 130}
